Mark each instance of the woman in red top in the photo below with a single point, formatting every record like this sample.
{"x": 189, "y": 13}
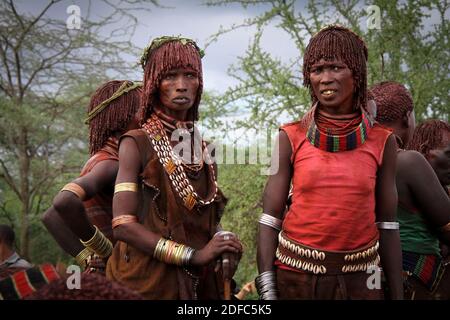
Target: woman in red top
{"x": 83, "y": 210}
{"x": 342, "y": 167}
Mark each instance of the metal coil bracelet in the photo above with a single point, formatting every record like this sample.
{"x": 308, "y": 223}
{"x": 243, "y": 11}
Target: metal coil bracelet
{"x": 266, "y": 285}
{"x": 270, "y": 221}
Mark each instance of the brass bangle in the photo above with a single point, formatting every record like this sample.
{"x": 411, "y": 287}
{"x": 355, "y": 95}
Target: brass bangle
{"x": 75, "y": 189}
{"x": 123, "y": 219}
{"x": 159, "y": 248}
{"x": 82, "y": 257}
{"x": 171, "y": 252}
{"x": 126, "y": 186}
{"x": 99, "y": 243}
{"x": 445, "y": 228}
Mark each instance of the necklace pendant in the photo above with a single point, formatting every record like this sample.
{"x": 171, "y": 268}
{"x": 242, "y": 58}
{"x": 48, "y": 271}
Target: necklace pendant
{"x": 190, "y": 201}
{"x": 175, "y": 168}
{"x": 170, "y": 167}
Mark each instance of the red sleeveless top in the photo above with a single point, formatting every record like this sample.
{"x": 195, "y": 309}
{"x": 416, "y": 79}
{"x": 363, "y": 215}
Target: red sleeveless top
{"x": 333, "y": 202}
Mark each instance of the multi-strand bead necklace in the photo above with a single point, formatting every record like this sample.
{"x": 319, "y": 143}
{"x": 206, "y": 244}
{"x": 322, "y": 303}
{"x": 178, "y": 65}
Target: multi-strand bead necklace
{"x": 173, "y": 165}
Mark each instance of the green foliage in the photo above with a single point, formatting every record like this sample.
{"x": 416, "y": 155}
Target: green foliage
{"x": 243, "y": 185}
{"x": 47, "y": 73}
{"x": 407, "y": 48}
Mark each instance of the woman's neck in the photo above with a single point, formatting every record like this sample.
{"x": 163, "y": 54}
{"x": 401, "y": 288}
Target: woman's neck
{"x": 176, "y": 115}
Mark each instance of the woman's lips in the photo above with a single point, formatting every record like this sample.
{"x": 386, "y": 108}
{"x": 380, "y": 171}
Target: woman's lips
{"x": 181, "y": 100}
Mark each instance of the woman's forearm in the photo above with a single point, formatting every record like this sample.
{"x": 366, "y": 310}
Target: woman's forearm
{"x": 391, "y": 260}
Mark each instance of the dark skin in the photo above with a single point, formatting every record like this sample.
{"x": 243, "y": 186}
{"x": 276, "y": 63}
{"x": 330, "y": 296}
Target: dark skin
{"x": 332, "y": 83}
{"x": 417, "y": 183}
{"x": 177, "y": 93}
{"x": 439, "y": 160}
{"x": 332, "y": 86}
{"x": 404, "y": 127}
{"x": 66, "y": 220}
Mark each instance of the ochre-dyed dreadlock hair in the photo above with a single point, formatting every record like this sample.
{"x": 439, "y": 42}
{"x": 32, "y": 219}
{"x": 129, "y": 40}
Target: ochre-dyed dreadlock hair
{"x": 340, "y": 43}
{"x": 393, "y": 101}
{"x": 116, "y": 114}
{"x": 429, "y": 135}
{"x": 162, "y": 55}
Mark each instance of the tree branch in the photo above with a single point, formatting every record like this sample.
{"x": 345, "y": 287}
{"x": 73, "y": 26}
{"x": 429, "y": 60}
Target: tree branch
{"x": 9, "y": 180}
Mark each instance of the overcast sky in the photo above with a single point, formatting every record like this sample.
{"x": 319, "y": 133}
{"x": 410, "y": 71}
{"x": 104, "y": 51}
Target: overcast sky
{"x": 191, "y": 19}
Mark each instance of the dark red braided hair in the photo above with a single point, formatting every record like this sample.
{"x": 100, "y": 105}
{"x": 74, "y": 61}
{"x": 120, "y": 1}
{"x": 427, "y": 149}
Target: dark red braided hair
{"x": 169, "y": 55}
{"x": 340, "y": 43}
{"x": 393, "y": 101}
{"x": 429, "y": 135}
{"x": 115, "y": 117}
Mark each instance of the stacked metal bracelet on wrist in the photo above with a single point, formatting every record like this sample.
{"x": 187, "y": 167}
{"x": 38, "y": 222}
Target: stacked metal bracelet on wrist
{"x": 266, "y": 285}
{"x": 82, "y": 257}
{"x": 171, "y": 252}
{"x": 99, "y": 244}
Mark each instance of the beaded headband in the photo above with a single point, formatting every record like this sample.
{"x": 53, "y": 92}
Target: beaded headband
{"x": 124, "y": 88}
{"x": 157, "y": 42}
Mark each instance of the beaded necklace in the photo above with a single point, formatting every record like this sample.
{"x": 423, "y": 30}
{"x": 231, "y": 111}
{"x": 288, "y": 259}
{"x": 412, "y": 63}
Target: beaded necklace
{"x": 173, "y": 166}
{"x": 170, "y": 124}
{"x": 336, "y": 143}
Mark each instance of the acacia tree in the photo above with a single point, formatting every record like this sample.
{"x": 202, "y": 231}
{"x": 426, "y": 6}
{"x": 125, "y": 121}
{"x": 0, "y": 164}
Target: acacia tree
{"x": 46, "y": 73}
{"x": 408, "y": 48}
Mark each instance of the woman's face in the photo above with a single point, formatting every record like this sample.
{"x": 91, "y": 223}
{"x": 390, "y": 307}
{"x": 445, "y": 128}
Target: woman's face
{"x": 333, "y": 85}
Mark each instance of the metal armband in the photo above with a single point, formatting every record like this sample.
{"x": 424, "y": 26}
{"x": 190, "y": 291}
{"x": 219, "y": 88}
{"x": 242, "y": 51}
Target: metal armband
{"x": 75, "y": 189}
{"x": 270, "y": 221}
{"x": 387, "y": 225}
{"x": 125, "y": 186}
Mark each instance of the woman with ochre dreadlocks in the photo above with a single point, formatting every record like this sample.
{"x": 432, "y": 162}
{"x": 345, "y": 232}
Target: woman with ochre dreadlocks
{"x": 423, "y": 209}
{"x": 167, "y": 206}
{"x": 80, "y": 218}
{"x": 342, "y": 167}
{"x": 432, "y": 139}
